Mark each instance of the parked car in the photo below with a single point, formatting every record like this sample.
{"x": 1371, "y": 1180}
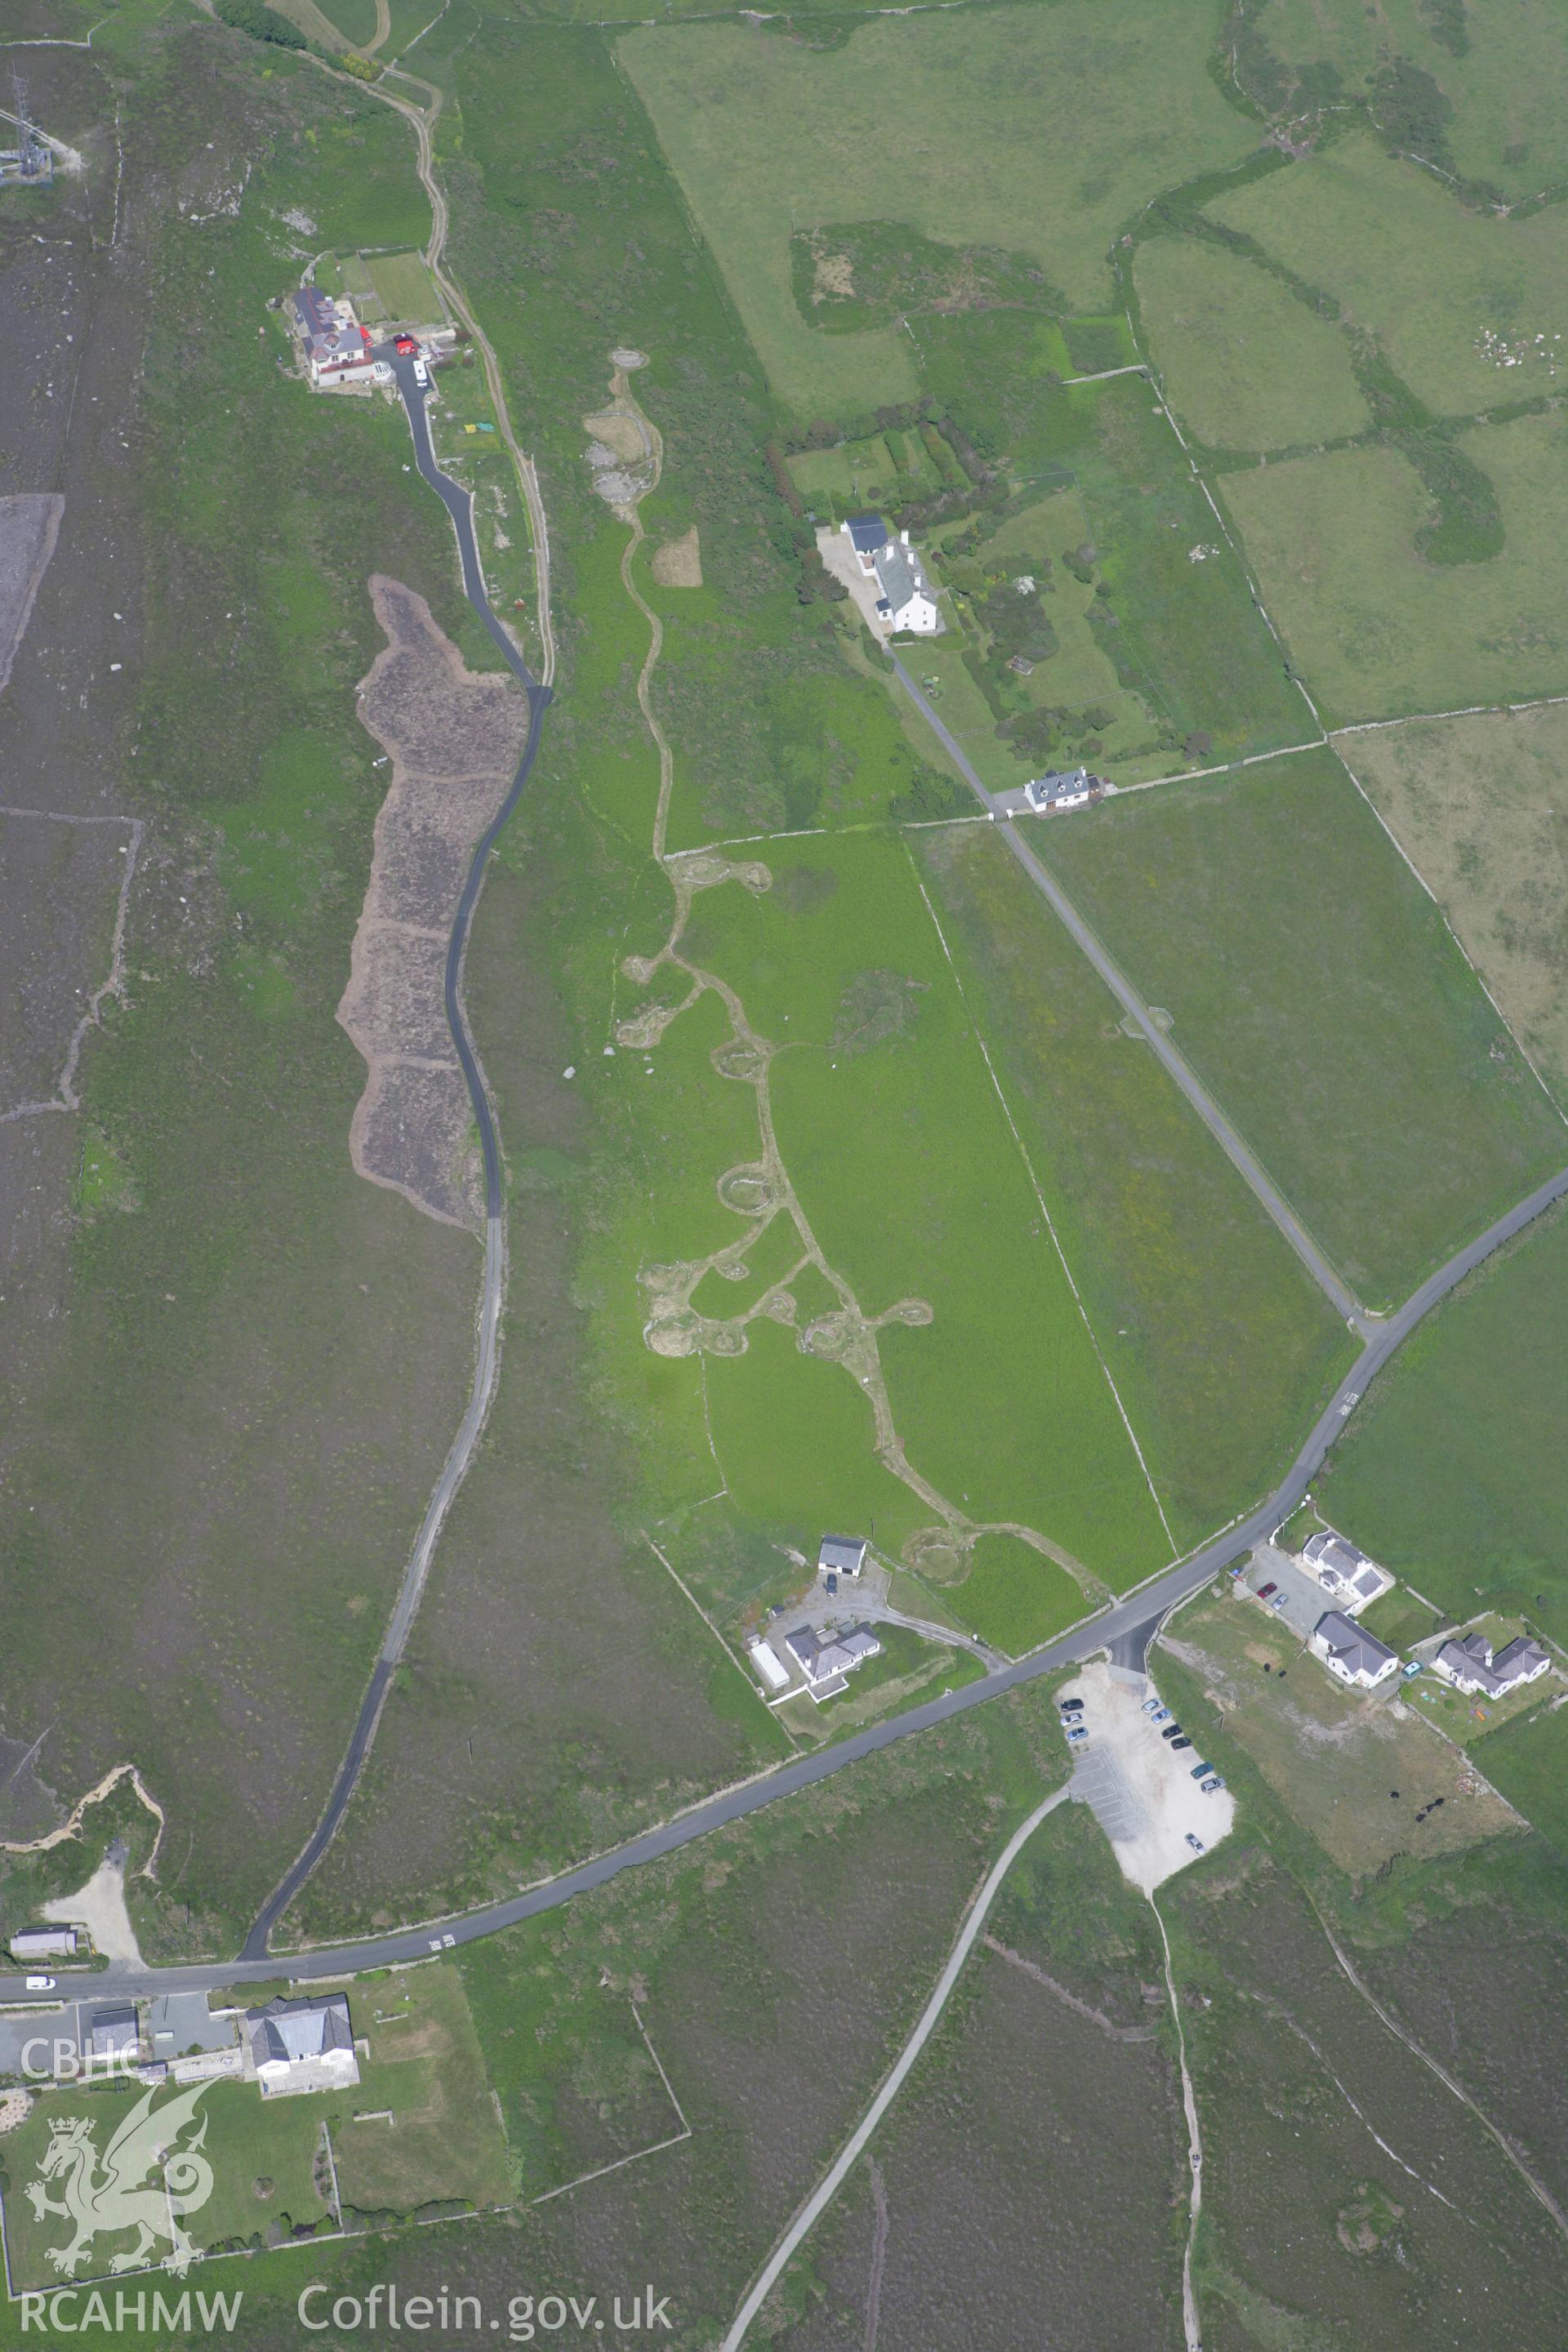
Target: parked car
{"x": 1265, "y": 1590}
{"x": 406, "y": 346}
{"x": 1171, "y": 1731}
{"x": 1278, "y": 1602}
{"x": 1214, "y": 1782}
{"x": 1179, "y": 1743}
{"x": 1077, "y": 1732}
{"x": 1071, "y": 1706}
{"x": 1152, "y": 1707}
{"x": 421, "y": 375}
{"x": 38, "y": 1984}
{"x": 1195, "y": 1842}
{"x": 1199, "y": 1770}
{"x": 1161, "y": 1715}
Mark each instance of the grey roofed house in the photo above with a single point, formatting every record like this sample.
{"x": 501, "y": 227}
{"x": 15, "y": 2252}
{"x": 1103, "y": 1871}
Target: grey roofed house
{"x": 44, "y": 1943}
{"x": 1354, "y": 1653}
{"x": 1471, "y": 1664}
{"x": 868, "y": 532}
{"x": 1329, "y": 1551}
{"x": 897, "y": 576}
{"x": 315, "y": 311}
{"x": 846, "y": 1555}
{"x": 111, "y": 2030}
{"x": 821, "y": 1658}
{"x": 285, "y": 2031}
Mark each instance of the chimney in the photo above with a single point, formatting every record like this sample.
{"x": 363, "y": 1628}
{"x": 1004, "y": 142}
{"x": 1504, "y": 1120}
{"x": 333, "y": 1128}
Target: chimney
{"x": 905, "y": 537}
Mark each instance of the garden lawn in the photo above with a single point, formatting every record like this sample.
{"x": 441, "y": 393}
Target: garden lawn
{"x": 1247, "y": 366}
{"x": 1427, "y": 275}
{"x": 1376, "y": 630}
{"x": 1222, "y": 1345}
{"x": 1475, "y": 804}
{"x": 1041, "y": 130}
{"x": 889, "y": 1125}
{"x": 1451, "y": 1471}
{"x": 1319, "y": 994}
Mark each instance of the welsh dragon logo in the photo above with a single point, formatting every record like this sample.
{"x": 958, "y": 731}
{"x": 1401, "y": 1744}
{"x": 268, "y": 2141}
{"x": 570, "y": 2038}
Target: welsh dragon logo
{"x": 146, "y": 2183}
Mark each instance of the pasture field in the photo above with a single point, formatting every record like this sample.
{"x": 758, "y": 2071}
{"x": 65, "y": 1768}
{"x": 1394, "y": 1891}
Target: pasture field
{"x": 1245, "y": 364}
{"x": 1379, "y": 630}
{"x": 889, "y": 1124}
{"x": 1319, "y": 994}
{"x": 1431, "y": 280}
{"x": 1220, "y": 1342}
{"x": 884, "y": 469}
{"x": 1527, "y": 1760}
{"x": 1014, "y": 1599}
{"x": 354, "y": 19}
{"x": 444, "y": 2142}
{"x": 1498, "y": 66}
{"x": 1474, "y": 804}
{"x": 1331, "y": 1758}
{"x": 1448, "y": 1472}
{"x": 1041, "y": 131}
{"x": 1329, "y": 2230}
{"x": 1029, "y": 2132}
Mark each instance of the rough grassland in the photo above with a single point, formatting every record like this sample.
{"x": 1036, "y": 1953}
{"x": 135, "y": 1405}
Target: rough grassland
{"x": 1246, "y": 366}
{"x": 1221, "y": 1343}
{"x": 1509, "y": 87}
{"x": 1318, "y": 993}
{"x": 1378, "y": 631}
{"x": 1039, "y": 131}
{"x": 903, "y": 1159}
{"x": 1386, "y": 2221}
{"x": 1027, "y": 2134}
{"x": 1427, "y": 275}
{"x": 1527, "y": 1760}
{"x": 1475, "y": 804}
{"x": 1452, "y": 1471}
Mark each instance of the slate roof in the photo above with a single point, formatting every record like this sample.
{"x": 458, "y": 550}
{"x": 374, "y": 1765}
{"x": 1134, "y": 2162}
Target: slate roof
{"x": 288, "y": 2030}
{"x": 844, "y": 1554}
{"x": 1330, "y": 1550}
{"x": 1472, "y": 1659}
{"x": 821, "y": 1659}
{"x": 1358, "y": 1652}
{"x": 868, "y": 532}
{"x": 897, "y": 577}
{"x": 112, "y": 2030}
{"x": 316, "y": 313}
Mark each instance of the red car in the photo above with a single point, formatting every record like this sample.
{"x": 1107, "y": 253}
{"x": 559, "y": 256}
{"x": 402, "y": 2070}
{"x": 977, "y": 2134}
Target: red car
{"x": 405, "y": 347}
{"x": 1265, "y": 1590}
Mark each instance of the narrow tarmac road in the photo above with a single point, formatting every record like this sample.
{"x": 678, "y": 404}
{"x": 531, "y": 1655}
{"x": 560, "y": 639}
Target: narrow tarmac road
{"x": 459, "y": 503}
{"x": 1249, "y": 1169}
{"x": 1132, "y": 1615}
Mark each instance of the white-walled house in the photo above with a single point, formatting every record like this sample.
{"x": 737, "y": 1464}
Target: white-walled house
{"x": 1472, "y": 1666}
{"x": 1352, "y": 1655}
{"x": 905, "y": 598}
{"x": 1061, "y": 788}
{"x": 1347, "y": 1575}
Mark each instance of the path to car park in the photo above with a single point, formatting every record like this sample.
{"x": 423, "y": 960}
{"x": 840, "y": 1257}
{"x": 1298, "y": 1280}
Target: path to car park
{"x": 1249, "y": 1168}
{"x": 833, "y": 2179}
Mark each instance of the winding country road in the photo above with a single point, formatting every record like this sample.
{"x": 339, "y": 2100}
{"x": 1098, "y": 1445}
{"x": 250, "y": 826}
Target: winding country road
{"x": 1124, "y": 1624}
{"x": 459, "y": 505}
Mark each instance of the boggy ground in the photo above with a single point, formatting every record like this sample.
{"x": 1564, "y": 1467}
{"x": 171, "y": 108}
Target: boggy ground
{"x": 453, "y": 739}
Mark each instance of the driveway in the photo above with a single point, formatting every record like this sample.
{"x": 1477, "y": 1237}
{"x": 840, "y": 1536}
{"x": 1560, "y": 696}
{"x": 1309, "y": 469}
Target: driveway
{"x": 1302, "y": 1597}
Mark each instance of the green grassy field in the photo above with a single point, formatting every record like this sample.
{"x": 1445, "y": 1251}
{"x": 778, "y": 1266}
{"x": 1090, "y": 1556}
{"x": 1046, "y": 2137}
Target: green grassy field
{"x": 356, "y": 20}
{"x": 1473, "y": 802}
{"x": 1448, "y": 1472}
{"x": 1318, "y": 992}
{"x": 1428, "y": 276}
{"x": 1379, "y": 630}
{"x": 1221, "y": 1345}
{"x": 1528, "y": 1761}
{"x": 1245, "y": 364}
{"x": 1042, "y": 131}
{"x": 900, "y": 1155}
{"x": 1014, "y": 1599}
{"x": 406, "y": 289}
{"x": 1500, "y": 70}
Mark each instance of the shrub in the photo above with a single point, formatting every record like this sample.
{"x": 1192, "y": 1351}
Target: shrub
{"x": 261, "y": 23}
